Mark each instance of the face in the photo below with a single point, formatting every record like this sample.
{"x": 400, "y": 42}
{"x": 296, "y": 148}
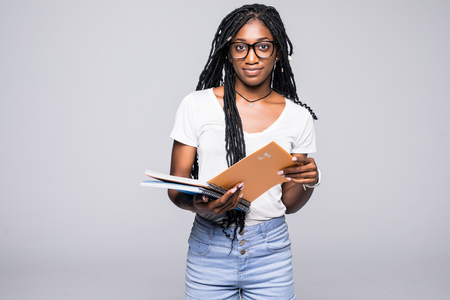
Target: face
{"x": 253, "y": 71}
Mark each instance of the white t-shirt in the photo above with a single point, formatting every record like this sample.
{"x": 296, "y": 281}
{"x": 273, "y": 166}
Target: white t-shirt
{"x": 200, "y": 123}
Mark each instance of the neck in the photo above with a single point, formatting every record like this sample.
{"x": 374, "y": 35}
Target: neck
{"x": 252, "y": 92}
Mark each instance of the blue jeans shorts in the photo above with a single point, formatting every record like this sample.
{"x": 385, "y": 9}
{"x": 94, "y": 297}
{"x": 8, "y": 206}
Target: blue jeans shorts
{"x": 257, "y": 267}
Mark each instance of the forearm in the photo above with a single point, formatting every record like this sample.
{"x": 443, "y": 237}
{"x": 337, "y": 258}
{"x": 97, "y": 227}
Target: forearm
{"x": 295, "y": 196}
{"x": 181, "y": 165}
{"x": 182, "y": 200}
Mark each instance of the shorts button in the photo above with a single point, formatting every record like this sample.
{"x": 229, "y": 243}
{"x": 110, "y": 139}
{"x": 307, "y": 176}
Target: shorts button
{"x": 242, "y": 232}
{"x": 242, "y": 242}
{"x": 243, "y": 252}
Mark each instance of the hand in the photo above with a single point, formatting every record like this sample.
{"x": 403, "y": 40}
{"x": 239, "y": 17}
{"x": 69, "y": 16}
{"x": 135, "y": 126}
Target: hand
{"x": 225, "y": 203}
{"x": 304, "y": 173}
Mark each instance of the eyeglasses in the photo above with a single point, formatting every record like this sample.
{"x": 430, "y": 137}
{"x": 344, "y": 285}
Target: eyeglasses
{"x": 239, "y": 50}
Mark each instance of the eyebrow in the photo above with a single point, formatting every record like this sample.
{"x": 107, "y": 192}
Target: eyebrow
{"x": 258, "y": 40}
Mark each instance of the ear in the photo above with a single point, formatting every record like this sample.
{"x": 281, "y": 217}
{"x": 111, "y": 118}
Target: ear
{"x": 230, "y": 59}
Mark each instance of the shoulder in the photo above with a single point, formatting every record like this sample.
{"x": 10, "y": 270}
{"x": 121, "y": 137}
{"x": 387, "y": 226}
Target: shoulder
{"x": 297, "y": 109}
{"x": 198, "y": 98}
{"x": 200, "y": 103}
{"x": 199, "y": 95}
{"x": 298, "y": 114}
{"x": 202, "y": 95}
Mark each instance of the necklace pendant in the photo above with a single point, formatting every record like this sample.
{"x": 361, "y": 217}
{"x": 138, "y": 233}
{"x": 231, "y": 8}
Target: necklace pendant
{"x": 250, "y": 102}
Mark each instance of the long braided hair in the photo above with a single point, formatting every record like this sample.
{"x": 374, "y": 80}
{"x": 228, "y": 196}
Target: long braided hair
{"x": 219, "y": 71}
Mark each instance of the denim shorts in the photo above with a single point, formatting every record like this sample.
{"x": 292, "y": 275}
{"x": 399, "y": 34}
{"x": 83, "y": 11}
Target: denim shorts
{"x": 258, "y": 266}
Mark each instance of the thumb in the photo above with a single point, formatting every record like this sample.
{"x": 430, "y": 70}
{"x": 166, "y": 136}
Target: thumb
{"x": 199, "y": 198}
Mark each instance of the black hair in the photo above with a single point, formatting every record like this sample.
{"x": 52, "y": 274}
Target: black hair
{"x": 219, "y": 71}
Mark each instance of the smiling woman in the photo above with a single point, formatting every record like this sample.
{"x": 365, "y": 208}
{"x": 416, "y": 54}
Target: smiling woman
{"x": 246, "y": 98}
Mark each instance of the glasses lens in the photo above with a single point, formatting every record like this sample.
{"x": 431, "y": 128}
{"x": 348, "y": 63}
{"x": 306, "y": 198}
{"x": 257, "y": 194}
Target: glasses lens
{"x": 264, "y": 49}
{"x": 238, "y": 50}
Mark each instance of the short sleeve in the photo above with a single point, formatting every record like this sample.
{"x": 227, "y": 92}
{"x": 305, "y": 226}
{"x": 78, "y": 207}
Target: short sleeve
{"x": 184, "y": 130}
{"x": 306, "y": 141}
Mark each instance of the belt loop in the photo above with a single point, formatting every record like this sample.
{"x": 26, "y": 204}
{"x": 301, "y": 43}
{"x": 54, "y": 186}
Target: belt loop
{"x": 263, "y": 230}
{"x": 211, "y": 231}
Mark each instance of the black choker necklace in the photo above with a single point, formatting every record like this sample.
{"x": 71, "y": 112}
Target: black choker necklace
{"x": 250, "y": 102}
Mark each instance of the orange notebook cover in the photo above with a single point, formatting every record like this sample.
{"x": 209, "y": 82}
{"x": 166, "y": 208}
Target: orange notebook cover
{"x": 258, "y": 171}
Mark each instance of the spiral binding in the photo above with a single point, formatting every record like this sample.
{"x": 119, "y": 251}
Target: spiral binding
{"x": 218, "y": 188}
{"x": 211, "y": 193}
{"x": 242, "y": 207}
{"x": 243, "y": 204}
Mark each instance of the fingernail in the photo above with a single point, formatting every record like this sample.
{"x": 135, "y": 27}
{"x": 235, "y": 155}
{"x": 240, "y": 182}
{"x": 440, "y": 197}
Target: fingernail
{"x": 241, "y": 195}
{"x": 294, "y": 158}
{"x": 288, "y": 178}
{"x": 233, "y": 190}
{"x": 280, "y": 172}
{"x": 241, "y": 185}
{"x": 204, "y": 198}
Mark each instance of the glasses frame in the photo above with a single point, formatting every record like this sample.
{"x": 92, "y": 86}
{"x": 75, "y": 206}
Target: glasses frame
{"x": 252, "y": 46}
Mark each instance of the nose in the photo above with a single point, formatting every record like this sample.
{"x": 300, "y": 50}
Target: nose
{"x": 251, "y": 58}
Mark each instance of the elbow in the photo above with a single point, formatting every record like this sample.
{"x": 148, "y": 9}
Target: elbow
{"x": 295, "y": 206}
{"x": 291, "y": 211}
{"x": 180, "y": 199}
{"x": 174, "y": 197}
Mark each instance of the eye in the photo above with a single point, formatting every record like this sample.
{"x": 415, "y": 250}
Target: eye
{"x": 240, "y": 47}
{"x": 264, "y": 46}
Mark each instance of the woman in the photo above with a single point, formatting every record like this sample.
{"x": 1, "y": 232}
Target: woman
{"x": 246, "y": 98}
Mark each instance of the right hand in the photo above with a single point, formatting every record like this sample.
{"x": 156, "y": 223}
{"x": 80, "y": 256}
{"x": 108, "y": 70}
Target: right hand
{"x": 217, "y": 207}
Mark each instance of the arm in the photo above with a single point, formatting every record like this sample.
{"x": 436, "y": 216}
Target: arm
{"x": 294, "y": 195}
{"x": 181, "y": 165}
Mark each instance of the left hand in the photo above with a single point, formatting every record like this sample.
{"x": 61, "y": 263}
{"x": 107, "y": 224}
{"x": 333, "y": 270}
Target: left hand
{"x": 304, "y": 173}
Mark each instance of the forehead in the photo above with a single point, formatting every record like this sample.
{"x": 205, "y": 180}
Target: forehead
{"x": 253, "y": 31}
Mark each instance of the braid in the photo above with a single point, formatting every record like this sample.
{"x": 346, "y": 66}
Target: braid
{"x": 219, "y": 71}
{"x": 234, "y": 135}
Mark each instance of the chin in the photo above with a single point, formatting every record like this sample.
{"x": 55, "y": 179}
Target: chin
{"x": 254, "y": 82}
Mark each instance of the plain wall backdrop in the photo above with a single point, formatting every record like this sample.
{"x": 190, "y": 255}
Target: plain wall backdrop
{"x": 88, "y": 95}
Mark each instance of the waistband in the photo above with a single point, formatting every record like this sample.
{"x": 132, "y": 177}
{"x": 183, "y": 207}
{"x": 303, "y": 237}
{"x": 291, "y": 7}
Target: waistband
{"x": 248, "y": 231}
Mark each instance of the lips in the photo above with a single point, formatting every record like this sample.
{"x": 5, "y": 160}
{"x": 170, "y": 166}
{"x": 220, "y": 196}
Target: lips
{"x": 252, "y": 71}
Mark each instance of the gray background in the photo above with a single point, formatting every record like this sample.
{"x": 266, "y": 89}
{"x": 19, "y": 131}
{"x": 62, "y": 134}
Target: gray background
{"x": 88, "y": 94}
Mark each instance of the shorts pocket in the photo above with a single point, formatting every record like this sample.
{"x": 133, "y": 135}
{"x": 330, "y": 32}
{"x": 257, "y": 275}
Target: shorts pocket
{"x": 279, "y": 243}
{"x": 197, "y": 247}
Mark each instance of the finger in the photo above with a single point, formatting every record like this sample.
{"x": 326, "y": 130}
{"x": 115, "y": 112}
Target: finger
{"x": 237, "y": 188}
{"x": 227, "y": 201}
{"x": 236, "y": 194}
{"x": 309, "y": 181}
{"x": 238, "y": 199}
{"x": 303, "y": 175}
{"x": 199, "y": 198}
{"x": 305, "y": 178}
{"x": 305, "y": 164}
{"x": 233, "y": 200}
{"x": 291, "y": 171}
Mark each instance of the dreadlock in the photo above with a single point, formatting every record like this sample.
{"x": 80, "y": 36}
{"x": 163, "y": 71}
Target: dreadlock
{"x": 219, "y": 71}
